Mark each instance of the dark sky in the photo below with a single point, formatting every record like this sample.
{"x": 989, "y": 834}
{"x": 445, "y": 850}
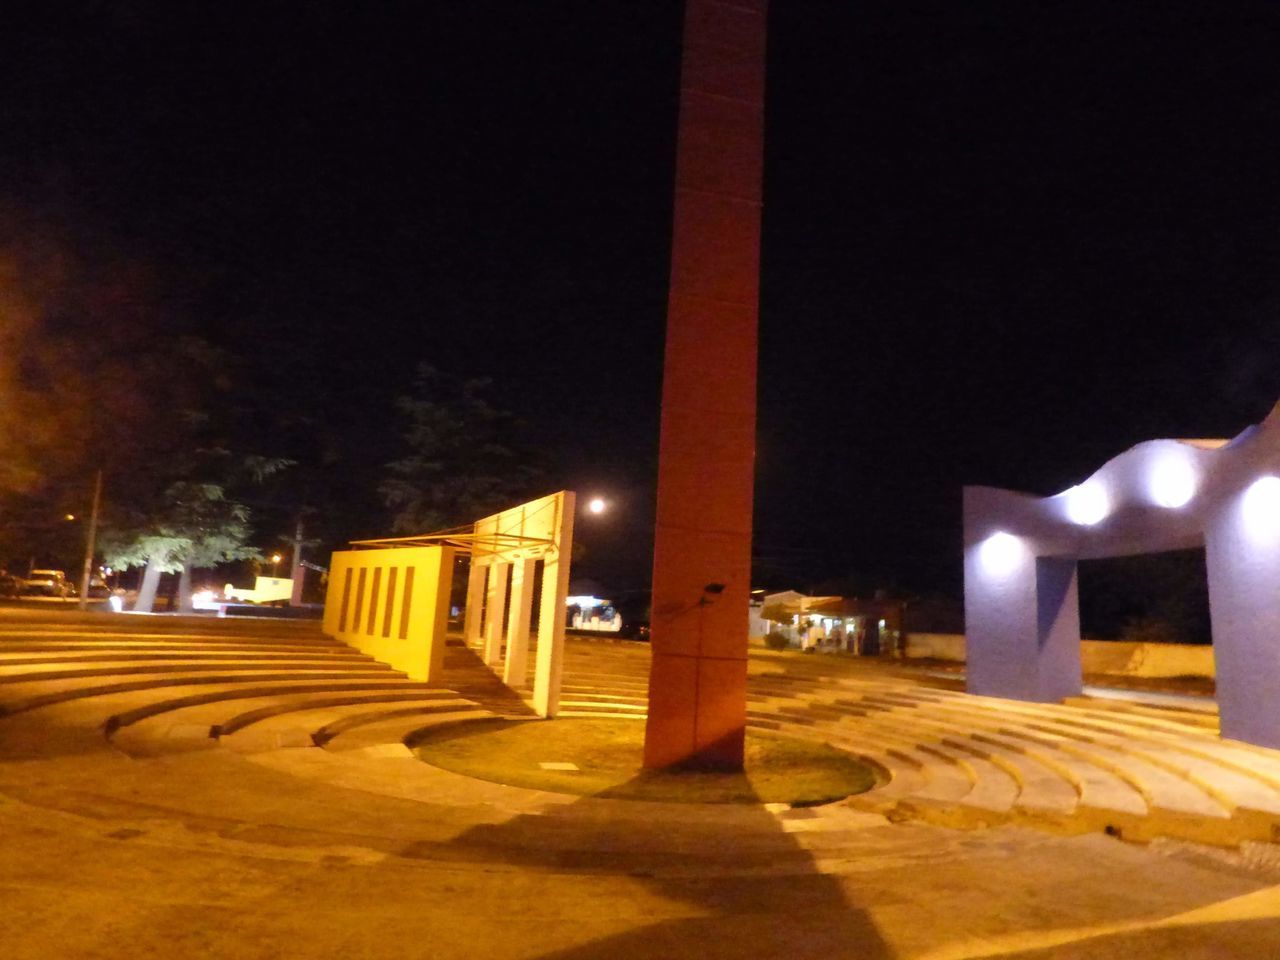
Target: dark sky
{"x": 1003, "y": 241}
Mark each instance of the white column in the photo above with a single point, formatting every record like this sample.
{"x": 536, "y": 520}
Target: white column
{"x": 513, "y": 670}
{"x": 475, "y": 602}
{"x": 1242, "y": 557}
{"x": 496, "y": 601}
{"x": 551, "y": 613}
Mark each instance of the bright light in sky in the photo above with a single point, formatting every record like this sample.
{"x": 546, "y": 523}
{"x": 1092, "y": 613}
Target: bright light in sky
{"x": 1001, "y": 553}
{"x": 596, "y": 505}
{"x": 1262, "y": 507}
{"x": 1173, "y": 482}
{"x": 1087, "y": 504}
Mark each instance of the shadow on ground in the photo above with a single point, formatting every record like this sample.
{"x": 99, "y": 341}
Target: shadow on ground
{"x": 751, "y": 889}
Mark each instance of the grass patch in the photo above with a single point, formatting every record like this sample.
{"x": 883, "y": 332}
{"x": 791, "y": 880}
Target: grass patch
{"x": 608, "y": 754}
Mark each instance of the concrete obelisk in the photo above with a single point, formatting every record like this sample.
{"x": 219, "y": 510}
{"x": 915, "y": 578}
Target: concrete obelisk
{"x": 702, "y": 548}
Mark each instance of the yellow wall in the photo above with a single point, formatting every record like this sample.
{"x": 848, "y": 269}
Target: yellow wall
{"x": 393, "y": 605}
{"x": 1097, "y": 656}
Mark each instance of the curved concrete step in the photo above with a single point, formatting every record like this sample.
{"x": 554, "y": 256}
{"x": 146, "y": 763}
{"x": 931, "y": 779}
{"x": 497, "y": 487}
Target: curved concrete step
{"x": 11, "y": 663}
{"x": 68, "y": 692}
{"x": 184, "y": 722}
{"x": 1209, "y": 766}
{"x": 302, "y": 728}
{"x": 1164, "y": 792}
{"x": 240, "y": 665}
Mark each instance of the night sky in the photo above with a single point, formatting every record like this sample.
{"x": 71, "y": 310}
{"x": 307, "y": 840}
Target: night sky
{"x": 1003, "y": 241}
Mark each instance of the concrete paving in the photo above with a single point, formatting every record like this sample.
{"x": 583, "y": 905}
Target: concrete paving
{"x": 267, "y": 808}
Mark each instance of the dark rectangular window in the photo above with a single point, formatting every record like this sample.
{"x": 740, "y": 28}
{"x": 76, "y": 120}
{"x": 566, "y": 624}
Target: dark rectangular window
{"x": 355, "y": 619}
{"x": 346, "y": 600}
{"x": 408, "y": 603}
{"x": 539, "y": 572}
{"x": 391, "y": 601}
{"x": 373, "y": 601}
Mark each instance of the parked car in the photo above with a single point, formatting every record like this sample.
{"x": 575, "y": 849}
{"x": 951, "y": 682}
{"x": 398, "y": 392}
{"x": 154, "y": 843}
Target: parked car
{"x": 10, "y": 586}
{"x": 50, "y": 583}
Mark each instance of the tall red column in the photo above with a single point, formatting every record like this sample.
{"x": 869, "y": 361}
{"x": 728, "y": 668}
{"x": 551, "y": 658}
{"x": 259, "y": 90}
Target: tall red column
{"x": 706, "y": 465}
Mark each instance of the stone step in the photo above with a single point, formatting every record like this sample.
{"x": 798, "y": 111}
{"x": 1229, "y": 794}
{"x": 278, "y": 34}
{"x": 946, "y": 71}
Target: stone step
{"x": 997, "y": 786}
{"x": 1094, "y": 790}
{"x": 1047, "y": 783}
{"x": 301, "y": 728}
{"x": 1042, "y": 789}
{"x": 1220, "y": 771}
{"x": 57, "y": 693}
{"x": 1133, "y": 708}
{"x": 214, "y": 709}
{"x": 1159, "y": 790}
{"x": 947, "y": 779}
{"x": 602, "y": 697}
{"x": 359, "y": 723}
{"x": 184, "y": 668}
{"x": 10, "y": 662}
{"x": 602, "y": 713}
{"x": 1095, "y": 787}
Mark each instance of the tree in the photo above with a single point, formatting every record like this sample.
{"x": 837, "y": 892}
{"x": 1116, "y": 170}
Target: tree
{"x": 96, "y": 373}
{"x": 196, "y": 522}
{"x": 462, "y": 462}
{"x": 200, "y": 527}
{"x": 84, "y": 377}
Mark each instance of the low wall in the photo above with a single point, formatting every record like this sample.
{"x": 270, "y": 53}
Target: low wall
{"x": 393, "y": 605}
{"x": 1097, "y": 656}
{"x": 1147, "y": 659}
{"x": 936, "y": 646}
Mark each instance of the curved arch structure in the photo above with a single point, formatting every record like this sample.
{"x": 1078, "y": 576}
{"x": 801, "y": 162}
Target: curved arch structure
{"x": 1022, "y": 619}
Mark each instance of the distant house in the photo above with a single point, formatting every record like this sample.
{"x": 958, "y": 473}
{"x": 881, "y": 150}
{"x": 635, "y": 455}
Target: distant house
{"x": 832, "y": 624}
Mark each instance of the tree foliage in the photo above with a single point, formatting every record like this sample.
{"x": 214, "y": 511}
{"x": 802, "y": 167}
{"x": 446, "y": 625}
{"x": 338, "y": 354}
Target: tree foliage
{"x": 463, "y": 460}
{"x": 97, "y": 372}
{"x": 200, "y": 527}
{"x": 83, "y": 385}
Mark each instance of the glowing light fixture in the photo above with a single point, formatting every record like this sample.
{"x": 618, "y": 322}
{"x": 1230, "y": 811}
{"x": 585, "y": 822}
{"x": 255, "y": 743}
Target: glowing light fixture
{"x": 1087, "y": 504}
{"x": 596, "y": 505}
{"x": 1172, "y": 482}
{"x": 1001, "y": 553}
{"x": 1262, "y": 507}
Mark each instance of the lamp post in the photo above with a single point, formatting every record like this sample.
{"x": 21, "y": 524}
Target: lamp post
{"x": 275, "y": 564}
{"x": 91, "y": 542}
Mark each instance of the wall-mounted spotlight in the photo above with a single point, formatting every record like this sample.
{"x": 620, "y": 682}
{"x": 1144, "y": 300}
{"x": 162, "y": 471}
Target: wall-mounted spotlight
{"x": 1262, "y": 507}
{"x": 1001, "y": 554}
{"x": 1088, "y": 503}
{"x": 1172, "y": 482}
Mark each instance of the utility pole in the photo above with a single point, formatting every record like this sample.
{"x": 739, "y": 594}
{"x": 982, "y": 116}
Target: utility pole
{"x": 91, "y": 542}
{"x": 297, "y": 571}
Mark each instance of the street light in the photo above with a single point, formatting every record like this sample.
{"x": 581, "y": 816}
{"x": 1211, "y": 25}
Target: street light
{"x": 596, "y": 505}
{"x": 275, "y": 564}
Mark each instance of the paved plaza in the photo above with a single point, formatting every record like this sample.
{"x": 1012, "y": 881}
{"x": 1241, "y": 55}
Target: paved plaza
{"x": 220, "y": 788}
